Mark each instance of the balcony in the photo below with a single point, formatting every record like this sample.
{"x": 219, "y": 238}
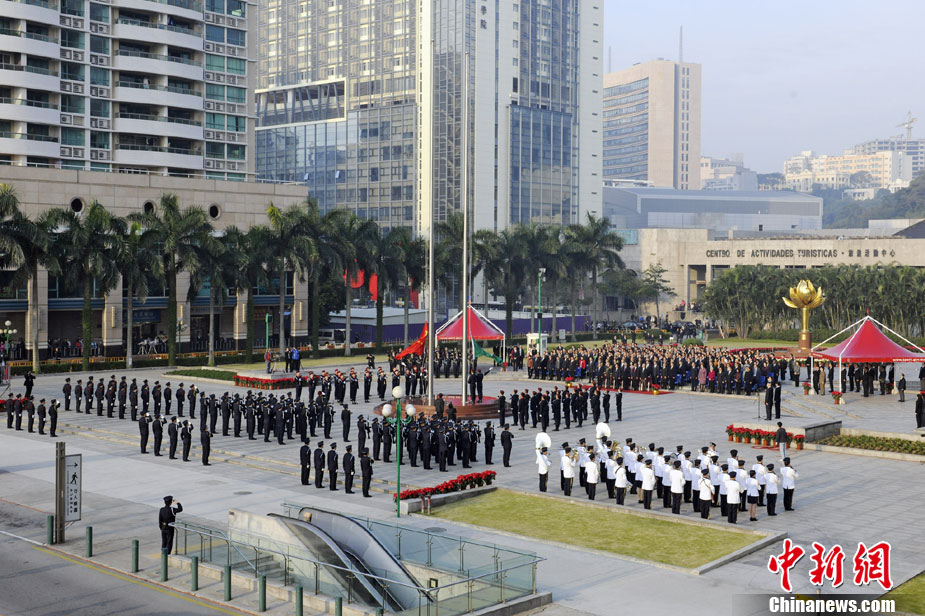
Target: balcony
{"x": 168, "y": 96}
{"x": 157, "y": 125}
{"x": 187, "y": 9}
{"x": 20, "y": 76}
{"x": 32, "y": 10}
{"x": 25, "y": 144}
{"x": 156, "y": 156}
{"x": 27, "y": 42}
{"x": 157, "y": 64}
{"x": 22, "y": 110}
{"x": 176, "y": 36}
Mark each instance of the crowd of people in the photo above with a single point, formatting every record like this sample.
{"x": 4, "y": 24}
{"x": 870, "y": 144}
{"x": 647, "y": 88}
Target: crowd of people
{"x": 672, "y": 478}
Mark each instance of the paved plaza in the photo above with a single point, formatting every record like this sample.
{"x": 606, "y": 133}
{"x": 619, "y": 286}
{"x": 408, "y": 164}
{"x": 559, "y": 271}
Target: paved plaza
{"x": 840, "y": 499}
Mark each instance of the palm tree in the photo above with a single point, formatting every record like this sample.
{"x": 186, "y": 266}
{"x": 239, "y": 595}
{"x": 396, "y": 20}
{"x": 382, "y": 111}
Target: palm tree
{"x": 88, "y": 246}
{"x": 24, "y": 247}
{"x": 548, "y": 251}
{"x": 600, "y": 246}
{"x": 292, "y": 249}
{"x": 485, "y": 254}
{"x": 137, "y": 260}
{"x": 448, "y": 254}
{"x": 389, "y": 267}
{"x": 507, "y": 276}
{"x": 361, "y": 235}
{"x": 415, "y": 271}
{"x": 218, "y": 266}
{"x": 254, "y": 246}
{"x": 329, "y": 254}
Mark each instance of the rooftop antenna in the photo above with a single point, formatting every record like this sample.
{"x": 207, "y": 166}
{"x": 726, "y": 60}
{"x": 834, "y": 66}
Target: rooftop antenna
{"x": 681, "y": 46}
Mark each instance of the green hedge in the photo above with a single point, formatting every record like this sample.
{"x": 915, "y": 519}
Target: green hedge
{"x": 818, "y": 335}
{"x": 692, "y": 342}
{"x": 876, "y": 443}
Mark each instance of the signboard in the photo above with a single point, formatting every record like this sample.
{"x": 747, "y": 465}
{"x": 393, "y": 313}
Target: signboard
{"x": 146, "y": 316}
{"x": 73, "y": 479}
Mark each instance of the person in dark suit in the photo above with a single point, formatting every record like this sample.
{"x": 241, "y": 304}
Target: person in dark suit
{"x": 319, "y": 464}
{"x": 489, "y": 433}
{"x": 332, "y": 467}
{"x": 166, "y": 517}
{"x": 777, "y": 389}
{"x": 901, "y": 387}
{"x": 305, "y": 459}
{"x": 349, "y": 463}
{"x": 478, "y": 383}
{"x": 366, "y": 469}
{"x": 205, "y": 439}
{"x": 768, "y": 402}
{"x": 507, "y": 444}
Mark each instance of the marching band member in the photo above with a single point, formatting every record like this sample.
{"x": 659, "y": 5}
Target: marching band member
{"x": 567, "y": 466}
{"x": 621, "y": 482}
{"x": 543, "y": 464}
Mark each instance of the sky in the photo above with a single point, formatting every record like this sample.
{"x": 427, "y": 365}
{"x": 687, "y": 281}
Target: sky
{"x": 785, "y": 76}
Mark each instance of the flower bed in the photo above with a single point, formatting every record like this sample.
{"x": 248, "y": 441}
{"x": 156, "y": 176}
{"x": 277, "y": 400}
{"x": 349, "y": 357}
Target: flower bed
{"x": 876, "y": 443}
{"x": 252, "y": 382}
{"x": 472, "y": 480}
{"x": 740, "y": 434}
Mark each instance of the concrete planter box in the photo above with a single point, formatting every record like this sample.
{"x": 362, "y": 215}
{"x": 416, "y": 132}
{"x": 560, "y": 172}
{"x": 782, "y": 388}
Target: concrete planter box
{"x": 414, "y": 505}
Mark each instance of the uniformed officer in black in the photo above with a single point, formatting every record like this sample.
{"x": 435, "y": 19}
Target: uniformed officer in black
{"x": 172, "y": 434}
{"x": 166, "y": 517}
{"x": 186, "y": 435}
{"x": 507, "y": 444}
{"x": 305, "y": 460}
{"x": 332, "y": 467}
{"x": 122, "y": 396}
{"x": 349, "y": 464}
{"x": 250, "y": 421}
{"x": 181, "y": 398}
{"x": 30, "y": 411}
{"x": 53, "y": 418}
{"x": 88, "y": 396}
{"x": 78, "y": 395}
{"x": 133, "y": 399}
{"x": 377, "y": 437}
{"x": 66, "y": 390}
{"x": 205, "y": 439}
{"x": 100, "y": 394}
{"x": 168, "y": 398}
{"x": 145, "y": 396}
{"x": 318, "y": 459}
{"x": 345, "y": 423}
{"x": 489, "y": 433}
{"x": 156, "y": 398}
{"x": 158, "y": 428}
{"x": 43, "y": 414}
{"x": 143, "y": 422}
{"x": 366, "y": 468}
{"x": 226, "y": 413}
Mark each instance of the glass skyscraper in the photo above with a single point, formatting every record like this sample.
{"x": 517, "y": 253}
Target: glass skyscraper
{"x": 362, "y": 100}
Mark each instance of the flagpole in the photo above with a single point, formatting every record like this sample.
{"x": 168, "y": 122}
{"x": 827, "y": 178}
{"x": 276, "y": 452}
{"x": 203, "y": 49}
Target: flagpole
{"x": 464, "y": 189}
{"x": 429, "y": 199}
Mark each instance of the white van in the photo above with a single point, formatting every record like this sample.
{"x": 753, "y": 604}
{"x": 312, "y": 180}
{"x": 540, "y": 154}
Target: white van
{"x": 331, "y": 336}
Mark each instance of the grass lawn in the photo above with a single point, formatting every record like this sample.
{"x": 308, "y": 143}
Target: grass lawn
{"x": 674, "y": 543}
{"x": 204, "y": 373}
{"x": 909, "y": 597}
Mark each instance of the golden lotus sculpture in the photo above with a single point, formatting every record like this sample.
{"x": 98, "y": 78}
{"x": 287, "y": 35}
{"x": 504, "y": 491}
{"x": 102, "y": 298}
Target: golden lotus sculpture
{"x": 805, "y": 297}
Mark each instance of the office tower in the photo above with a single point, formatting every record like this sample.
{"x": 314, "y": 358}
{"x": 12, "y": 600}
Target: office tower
{"x": 652, "y": 124}
{"x": 354, "y": 101}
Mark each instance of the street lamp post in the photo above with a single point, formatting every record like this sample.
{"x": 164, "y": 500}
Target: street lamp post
{"x": 180, "y": 328}
{"x": 539, "y": 299}
{"x": 8, "y": 331}
{"x": 401, "y": 418}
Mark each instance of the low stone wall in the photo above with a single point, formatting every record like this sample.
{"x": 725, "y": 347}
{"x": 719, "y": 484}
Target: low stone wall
{"x": 813, "y": 432}
{"x": 414, "y": 505}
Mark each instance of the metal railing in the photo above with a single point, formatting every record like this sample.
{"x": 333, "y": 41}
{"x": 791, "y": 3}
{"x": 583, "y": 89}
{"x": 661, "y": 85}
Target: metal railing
{"x": 490, "y": 583}
{"x": 156, "y": 118}
{"x": 192, "y": 5}
{"x": 11, "y": 135}
{"x": 159, "y": 148}
{"x": 150, "y": 86}
{"x": 24, "y": 101}
{"x": 157, "y": 56}
{"x": 157, "y": 26}
{"x": 42, "y": 3}
{"x": 28, "y": 69}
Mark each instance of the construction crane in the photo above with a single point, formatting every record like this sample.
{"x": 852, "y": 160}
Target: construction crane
{"x": 908, "y": 125}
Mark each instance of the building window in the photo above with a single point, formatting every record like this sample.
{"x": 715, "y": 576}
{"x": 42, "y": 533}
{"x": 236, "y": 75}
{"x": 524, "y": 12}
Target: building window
{"x": 99, "y": 140}
{"x": 99, "y": 108}
{"x": 237, "y": 123}
{"x": 99, "y": 44}
{"x": 215, "y": 121}
{"x": 236, "y": 66}
{"x": 237, "y": 95}
{"x": 236, "y": 151}
{"x": 215, "y": 150}
{"x": 215, "y": 63}
{"x": 72, "y": 136}
{"x": 215, "y": 6}
{"x": 216, "y": 34}
{"x": 98, "y": 12}
{"x": 235, "y": 37}
{"x": 72, "y": 38}
{"x": 215, "y": 92}
{"x": 99, "y": 76}
{"x": 236, "y": 8}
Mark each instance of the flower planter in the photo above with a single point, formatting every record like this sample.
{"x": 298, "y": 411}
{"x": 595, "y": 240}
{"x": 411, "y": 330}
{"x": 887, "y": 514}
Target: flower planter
{"x": 738, "y": 439}
{"x": 730, "y": 438}
{"x": 799, "y": 444}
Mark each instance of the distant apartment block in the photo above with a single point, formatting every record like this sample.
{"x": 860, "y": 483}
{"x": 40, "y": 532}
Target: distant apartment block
{"x": 652, "y": 124}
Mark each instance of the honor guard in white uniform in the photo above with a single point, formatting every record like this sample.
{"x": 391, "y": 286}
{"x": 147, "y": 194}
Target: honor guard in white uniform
{"x": 788, "y": 483}
{"x": 567, "y": 467}
{"x": 677, "y": 487}
{"x": 621, "y": 482}
{"x": 705, "y": 493}
{"x": 733, "y": 490}
{"x": 771, "y": 489}
{"x": 592, "y": 475}
{"x": 543, "y": 464}
{"x": 761, "y": 474}
{"x": 648, "y": 484}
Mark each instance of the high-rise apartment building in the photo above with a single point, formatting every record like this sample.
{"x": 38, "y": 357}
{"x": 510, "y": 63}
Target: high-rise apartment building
{"x": 652, "y": 124}
{"x": 914, "y": 148}
{"x": 363, "y": 102}
{"x": 131, "y": 86}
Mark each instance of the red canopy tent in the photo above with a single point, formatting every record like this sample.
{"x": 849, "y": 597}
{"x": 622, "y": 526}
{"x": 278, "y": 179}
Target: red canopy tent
{"x": 866, "y": 345}
{"x": 480, "y": 328}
